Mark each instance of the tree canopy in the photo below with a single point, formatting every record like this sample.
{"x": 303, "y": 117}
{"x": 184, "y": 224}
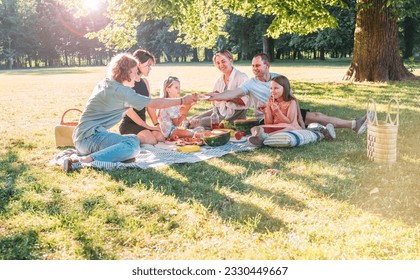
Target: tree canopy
{"x": 202, "y": 22}
{"x": 38, "y": 33}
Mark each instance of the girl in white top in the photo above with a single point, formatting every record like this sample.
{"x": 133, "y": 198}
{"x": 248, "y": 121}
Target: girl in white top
{"x": 231, "y": 78}
{"x": 171, "y": 118}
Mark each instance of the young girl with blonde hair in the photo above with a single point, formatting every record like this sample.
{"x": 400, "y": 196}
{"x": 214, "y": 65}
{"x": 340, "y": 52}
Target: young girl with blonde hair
{"x": 171, "y": 118}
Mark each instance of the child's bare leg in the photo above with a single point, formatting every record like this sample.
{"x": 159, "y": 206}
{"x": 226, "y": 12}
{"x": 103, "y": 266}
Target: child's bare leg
{"x": 182, "y": 133}
{"x": 158, "y": 136}
{"x": 194, "y": 123}
{"x": 147, "y": 137}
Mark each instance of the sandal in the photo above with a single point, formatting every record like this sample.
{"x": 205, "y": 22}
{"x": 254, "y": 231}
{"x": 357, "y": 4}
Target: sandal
{"x": 130, "y": 160}
{"x": 256, "y": 141}
{"x": 69, "y": 164}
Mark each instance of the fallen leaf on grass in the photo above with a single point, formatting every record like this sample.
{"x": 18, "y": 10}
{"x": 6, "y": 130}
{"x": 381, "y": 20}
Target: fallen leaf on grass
{"x": 272, "y": 171}
{"x": 374, "y": 191}
{"x": 299, "y": 169}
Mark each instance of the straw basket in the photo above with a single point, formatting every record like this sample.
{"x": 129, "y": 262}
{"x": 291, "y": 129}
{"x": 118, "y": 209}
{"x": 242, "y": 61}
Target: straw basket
{"x": 64, "y": 131}
{"x": 382, "y": 135}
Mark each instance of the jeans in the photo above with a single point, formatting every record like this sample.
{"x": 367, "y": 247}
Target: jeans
{"x": 108, "y": 146}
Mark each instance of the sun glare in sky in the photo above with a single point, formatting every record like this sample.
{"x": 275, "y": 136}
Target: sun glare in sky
{"x": 91, "y": 5}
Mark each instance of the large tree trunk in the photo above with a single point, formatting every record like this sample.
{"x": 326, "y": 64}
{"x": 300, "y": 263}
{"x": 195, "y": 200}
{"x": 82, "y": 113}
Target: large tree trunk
{"x": 208, "y": 54}
{"x": 376, "y": 54}
{"x": 268, "y": 47}
{"x": 195, "y": 55}
{"x": 322, "y": 54}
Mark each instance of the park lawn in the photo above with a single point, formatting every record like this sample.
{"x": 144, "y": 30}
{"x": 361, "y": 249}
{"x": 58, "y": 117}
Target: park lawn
{"x": 327, "y": 200}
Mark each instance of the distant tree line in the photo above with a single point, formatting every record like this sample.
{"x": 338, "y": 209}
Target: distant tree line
{"x": 41, "y": 33}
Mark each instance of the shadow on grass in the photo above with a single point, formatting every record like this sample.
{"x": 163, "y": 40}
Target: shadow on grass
{"x": 390, "y": 191}
{"x": 11, "y": 170}
{"x": 357, "y": 94}
{"x": 216, "y": 190}
{"x": 20, "y": 246}
{"x": 279, "y": 198}
{"x": 25, "y": 245}
{"x": 89, "y": 250}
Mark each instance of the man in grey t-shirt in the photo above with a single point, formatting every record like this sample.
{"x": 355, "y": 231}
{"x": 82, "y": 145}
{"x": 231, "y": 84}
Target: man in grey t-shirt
{"x": 258, "y": 88}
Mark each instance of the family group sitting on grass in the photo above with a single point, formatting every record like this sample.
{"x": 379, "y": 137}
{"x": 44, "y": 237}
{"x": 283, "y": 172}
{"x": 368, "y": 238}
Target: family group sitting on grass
{"x": 125, "y": 94}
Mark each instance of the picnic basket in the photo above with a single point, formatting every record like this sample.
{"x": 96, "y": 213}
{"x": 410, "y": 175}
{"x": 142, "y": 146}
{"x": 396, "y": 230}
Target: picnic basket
{"x": 64, "y": 130}
{"x": 382, "y": 135}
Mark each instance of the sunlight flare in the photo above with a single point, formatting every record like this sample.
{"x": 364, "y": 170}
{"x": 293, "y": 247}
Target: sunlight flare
{"x": 91, "y": 5}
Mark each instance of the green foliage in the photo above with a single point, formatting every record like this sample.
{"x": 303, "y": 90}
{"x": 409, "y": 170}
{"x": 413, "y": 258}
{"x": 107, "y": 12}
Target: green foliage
{"x": 41, "y": 30}
{"x": 116, "y": 36}
{"x": 398, "y": 8}
{"x": 411, "y": 64}
{"x": 332, "y": 40}
{"x": 202, "y": 22}
{"x": 244, "y": 34}
{"x": 302, "y": 18}
{"x": 155, "y": 35}
{"x": 42, "y": 33}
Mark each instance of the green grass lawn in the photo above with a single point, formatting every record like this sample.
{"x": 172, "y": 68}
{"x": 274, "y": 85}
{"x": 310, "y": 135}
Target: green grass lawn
{"x": 327, "y": 201}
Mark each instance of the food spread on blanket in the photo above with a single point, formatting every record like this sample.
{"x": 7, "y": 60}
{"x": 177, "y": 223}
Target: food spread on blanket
{"x": 226, "y": 124}
{"x": 203, "y": 97}
{"x": 215, "y": 137}
{"x": 182, "y": 141}
{"x": 242, "y": 140}
{"x": 189, "y": 141}
{"x": 239, "y": 134}
{"x": 245, "y": 125}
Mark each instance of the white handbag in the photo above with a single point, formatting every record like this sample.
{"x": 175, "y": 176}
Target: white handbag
{"x": 64, "y": 131}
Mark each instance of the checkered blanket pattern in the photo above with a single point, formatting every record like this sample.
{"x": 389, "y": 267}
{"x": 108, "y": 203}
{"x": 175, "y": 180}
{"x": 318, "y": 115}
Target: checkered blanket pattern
{"x": 158, "y": 156}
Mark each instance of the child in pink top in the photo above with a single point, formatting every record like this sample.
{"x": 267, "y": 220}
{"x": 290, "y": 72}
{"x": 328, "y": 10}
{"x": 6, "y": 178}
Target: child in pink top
{"x": 281, "y": 110}
{"x": 281, "y": 113}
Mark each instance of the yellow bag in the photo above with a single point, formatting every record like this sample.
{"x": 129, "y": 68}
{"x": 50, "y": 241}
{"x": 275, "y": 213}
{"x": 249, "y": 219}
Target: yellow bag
{"x": 64, "y": 131}
{"x": 382, "y": 135}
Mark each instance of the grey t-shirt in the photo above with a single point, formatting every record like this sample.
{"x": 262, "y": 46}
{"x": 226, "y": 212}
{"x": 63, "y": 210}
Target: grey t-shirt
{"x": 106, "y": 107}
{"x": 259, "y": 91}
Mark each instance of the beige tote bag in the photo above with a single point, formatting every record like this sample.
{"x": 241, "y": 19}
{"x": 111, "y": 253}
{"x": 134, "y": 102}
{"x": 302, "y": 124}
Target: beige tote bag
{"x": 382, "y": 135}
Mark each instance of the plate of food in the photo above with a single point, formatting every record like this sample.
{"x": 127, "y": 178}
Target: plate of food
{"x": 242, "y": 140}
{"x": 204, "y": 97}
{"x": 239, "y": 137}
{"x": 189, "y": 141}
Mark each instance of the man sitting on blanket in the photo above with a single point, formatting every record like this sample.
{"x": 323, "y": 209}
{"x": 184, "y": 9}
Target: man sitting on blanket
{"x": 258, "y": 88}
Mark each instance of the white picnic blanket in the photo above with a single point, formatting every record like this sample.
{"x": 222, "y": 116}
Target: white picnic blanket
{"x": 158, "y": 156}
